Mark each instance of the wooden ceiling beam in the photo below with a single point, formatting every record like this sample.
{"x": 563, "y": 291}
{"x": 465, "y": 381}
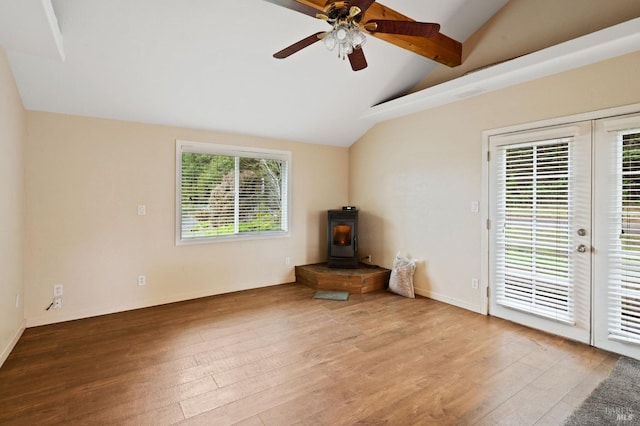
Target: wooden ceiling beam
{"x": 439, "y": 48}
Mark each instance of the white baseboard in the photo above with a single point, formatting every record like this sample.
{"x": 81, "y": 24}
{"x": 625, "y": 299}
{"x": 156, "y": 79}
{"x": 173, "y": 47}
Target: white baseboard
{"x": 447, "y": 299}
{"x": 12, "y": 343}
{"x": 46, "y": 319}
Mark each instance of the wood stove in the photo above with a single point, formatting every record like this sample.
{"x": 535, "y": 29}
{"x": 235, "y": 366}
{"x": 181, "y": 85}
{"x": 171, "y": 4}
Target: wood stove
{"x": 342, "y": 238}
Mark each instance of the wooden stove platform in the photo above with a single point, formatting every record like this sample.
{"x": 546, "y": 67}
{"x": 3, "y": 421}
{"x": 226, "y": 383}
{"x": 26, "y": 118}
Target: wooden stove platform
{"x": 363, "y": 279}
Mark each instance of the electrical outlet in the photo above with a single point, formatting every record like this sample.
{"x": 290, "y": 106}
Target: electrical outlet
{"x": 58, "y": 290}
{"x": 142, "y": 280}
{"x": 474, "y": 283}
{"x": 57, "y": 302}
{"x": 368, "y": 258}
{"x": 475, "y": 207}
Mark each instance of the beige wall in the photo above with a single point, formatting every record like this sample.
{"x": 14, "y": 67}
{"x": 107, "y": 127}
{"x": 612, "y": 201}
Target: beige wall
{"x": 525, "y": 26}
{"x": 84, "y": 180}
{"x": 415, "y": 177}
{"x": 12, "y": 138}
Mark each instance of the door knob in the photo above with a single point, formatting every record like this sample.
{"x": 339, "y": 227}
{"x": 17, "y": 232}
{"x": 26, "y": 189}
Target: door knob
{"x": 582, "y": 232}
{"x": 581, "y": 248}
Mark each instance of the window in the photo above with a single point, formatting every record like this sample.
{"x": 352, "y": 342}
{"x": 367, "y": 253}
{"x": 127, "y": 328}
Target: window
{"x": 226, "y": 192}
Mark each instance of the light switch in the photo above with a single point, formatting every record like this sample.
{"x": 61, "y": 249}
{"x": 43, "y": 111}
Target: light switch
{"x": 142, "y": 210}
{"x": 475, "y": 207}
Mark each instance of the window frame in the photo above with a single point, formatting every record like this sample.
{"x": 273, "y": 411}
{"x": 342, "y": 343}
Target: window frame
{"x": 232, "y": 151}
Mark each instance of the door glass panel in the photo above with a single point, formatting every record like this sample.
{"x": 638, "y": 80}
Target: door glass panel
{"x": 624, "y": 252}
{"x": 534, "y": 242}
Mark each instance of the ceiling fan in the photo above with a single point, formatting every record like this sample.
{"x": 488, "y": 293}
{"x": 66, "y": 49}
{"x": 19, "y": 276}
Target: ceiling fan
{"x": 349, "y": 26}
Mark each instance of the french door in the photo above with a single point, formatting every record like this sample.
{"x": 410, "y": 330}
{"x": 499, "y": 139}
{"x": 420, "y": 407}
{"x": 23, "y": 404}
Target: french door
{"x": 540, "y": 239}
{"x": 564, "y": 209}
{"x": 617, "y": 217}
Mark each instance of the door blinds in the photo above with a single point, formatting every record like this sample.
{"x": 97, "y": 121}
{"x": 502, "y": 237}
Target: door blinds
{"x": 537, "y": 196}
{"x": 624, "y": 251}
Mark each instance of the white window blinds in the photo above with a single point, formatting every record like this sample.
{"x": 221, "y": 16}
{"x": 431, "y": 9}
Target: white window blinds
{"x": 624, "y": 252}
{"x": 228, "y": 191}
{"x": 537, "y": 198}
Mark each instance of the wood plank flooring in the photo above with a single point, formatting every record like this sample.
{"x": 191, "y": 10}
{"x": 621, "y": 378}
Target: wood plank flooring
{"x": 275, "y": 356}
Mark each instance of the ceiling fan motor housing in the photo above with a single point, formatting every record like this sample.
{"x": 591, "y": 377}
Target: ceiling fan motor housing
{"x": 340, "y": 11}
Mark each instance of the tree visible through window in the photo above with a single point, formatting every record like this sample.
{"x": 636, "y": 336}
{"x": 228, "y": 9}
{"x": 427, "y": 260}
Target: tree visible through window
{"x": 227, "y": 191}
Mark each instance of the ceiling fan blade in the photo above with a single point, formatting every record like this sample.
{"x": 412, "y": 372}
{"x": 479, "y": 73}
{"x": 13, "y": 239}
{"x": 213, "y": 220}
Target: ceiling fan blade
{"x": 295, "y": 47}
{"x": 363, "y": 5}
{"x": 294, "y": 5}
{"x": 357, "y": 59}
{"x": 418, "y": 29}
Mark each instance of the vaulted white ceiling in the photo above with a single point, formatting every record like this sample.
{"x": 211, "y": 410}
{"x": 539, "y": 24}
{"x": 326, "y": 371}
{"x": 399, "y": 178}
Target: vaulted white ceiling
{"x": 207, "y": 64}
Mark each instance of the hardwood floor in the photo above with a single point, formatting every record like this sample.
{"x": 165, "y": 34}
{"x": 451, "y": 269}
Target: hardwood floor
{"x": 275, "y": 356}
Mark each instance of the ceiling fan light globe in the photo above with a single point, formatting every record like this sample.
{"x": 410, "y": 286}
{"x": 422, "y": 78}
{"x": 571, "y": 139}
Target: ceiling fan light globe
{"x": 357, "y": 38}
{"x": 341, "y": 34}
{"x": 329, "y": 41}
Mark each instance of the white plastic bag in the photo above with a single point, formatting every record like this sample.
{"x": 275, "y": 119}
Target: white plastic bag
{"x": 401, "y": 280}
